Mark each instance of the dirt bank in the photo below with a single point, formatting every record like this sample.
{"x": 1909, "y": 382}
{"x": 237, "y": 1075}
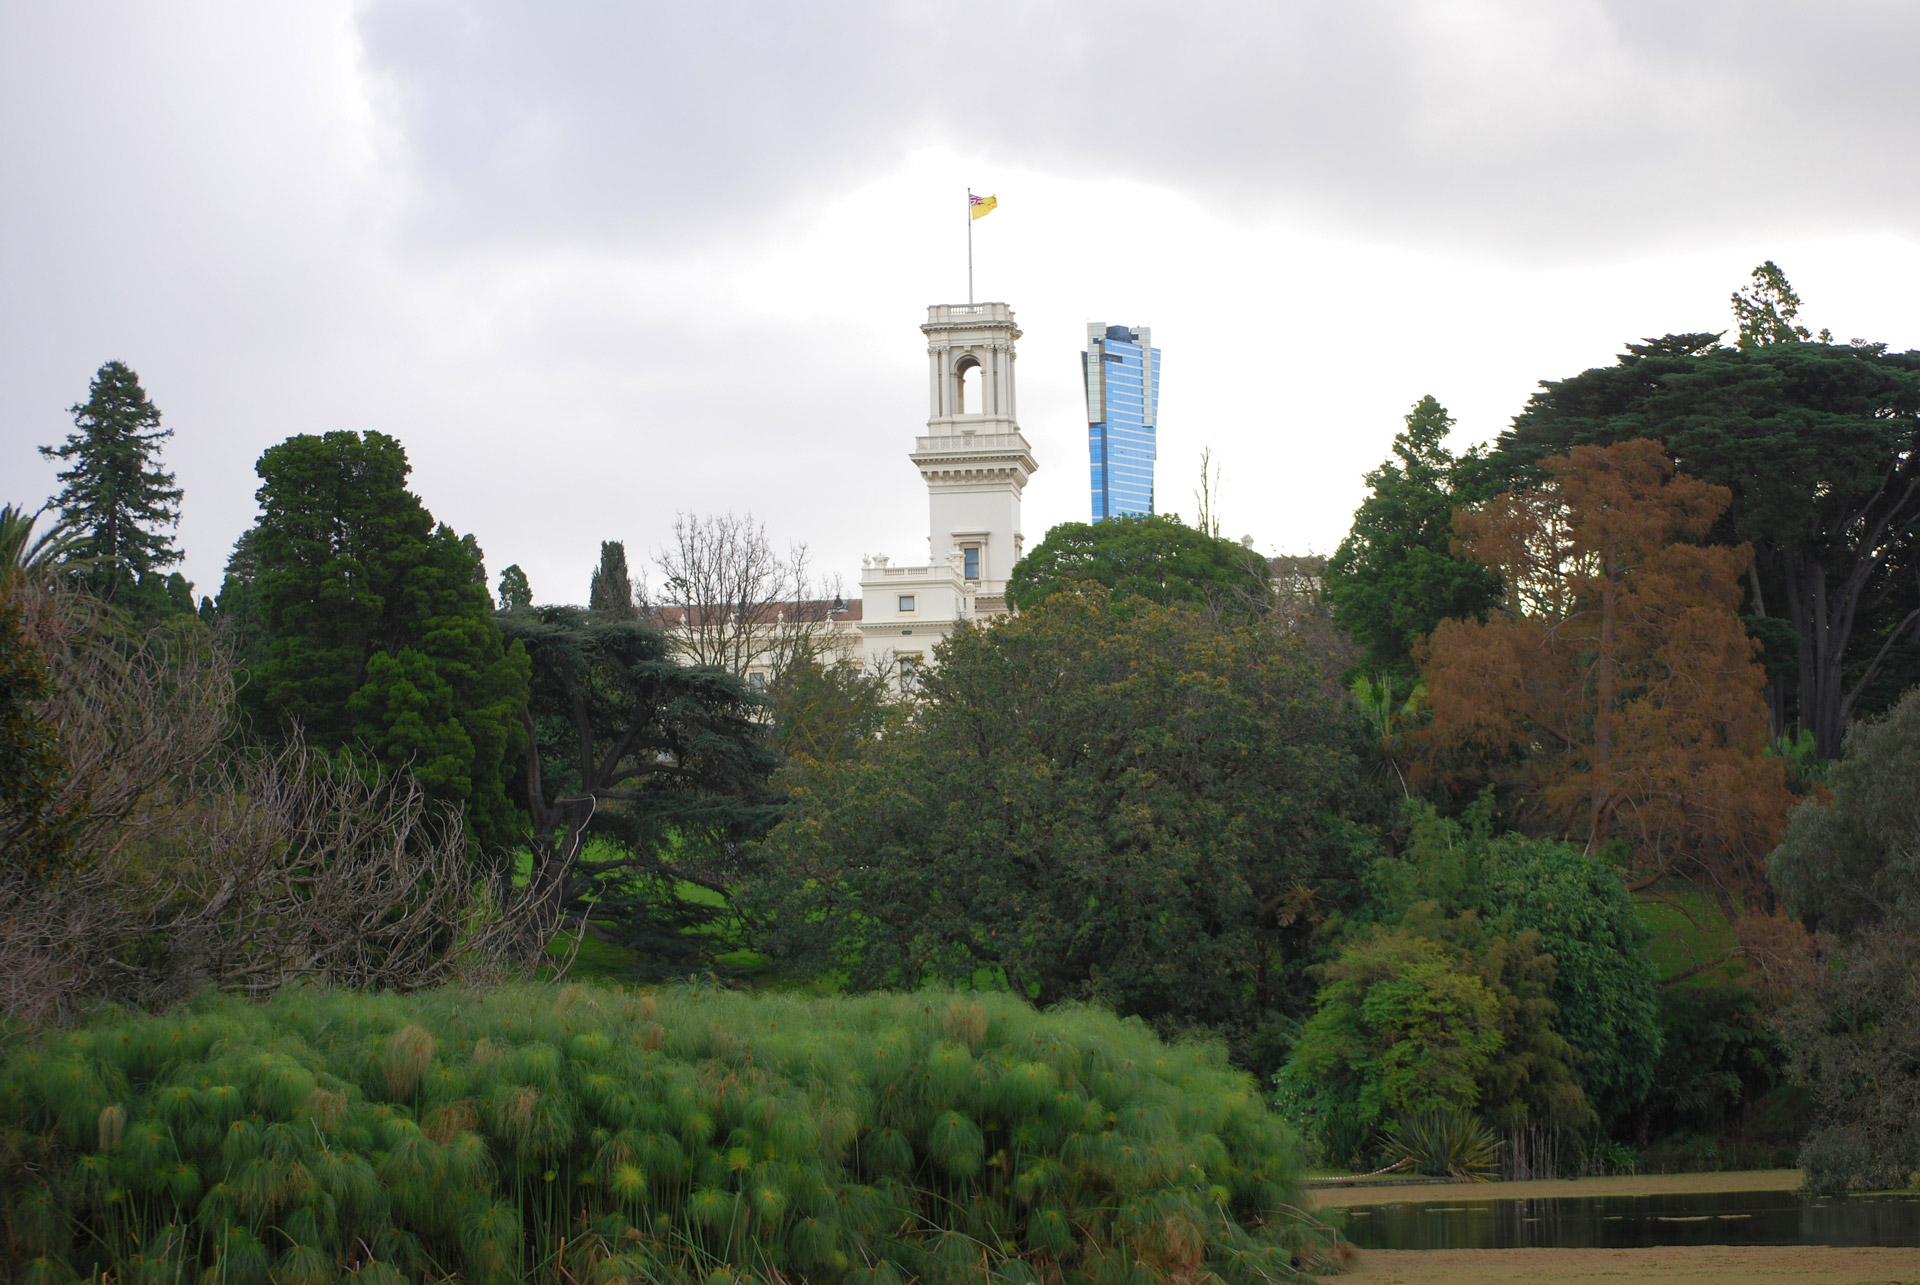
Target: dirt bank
{"x": 1660, "y": 1184}
{"x": 1691, "y": 1265}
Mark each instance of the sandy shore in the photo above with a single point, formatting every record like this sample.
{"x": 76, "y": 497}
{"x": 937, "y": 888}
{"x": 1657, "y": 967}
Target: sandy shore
{"x": 1667, "y": 1184}
{"x": 1691, "y": 1264}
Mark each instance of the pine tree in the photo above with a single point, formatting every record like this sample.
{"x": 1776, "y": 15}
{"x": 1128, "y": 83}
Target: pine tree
{"x": 1396, "y": 576}
{"x": 115, "y": 498}
{"x": 1766, "y": 309}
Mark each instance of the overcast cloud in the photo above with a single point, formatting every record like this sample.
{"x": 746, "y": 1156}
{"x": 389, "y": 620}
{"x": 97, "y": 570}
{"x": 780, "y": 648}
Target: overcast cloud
{"x": 597, "y": 263}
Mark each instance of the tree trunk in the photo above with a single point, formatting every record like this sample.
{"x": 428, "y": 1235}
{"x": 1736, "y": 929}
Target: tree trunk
{"x": 1824, "y": 622}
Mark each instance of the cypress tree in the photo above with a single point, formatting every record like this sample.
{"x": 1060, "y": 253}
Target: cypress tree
{"x": 115, "y": 497}
{"x": 611, "y": 595}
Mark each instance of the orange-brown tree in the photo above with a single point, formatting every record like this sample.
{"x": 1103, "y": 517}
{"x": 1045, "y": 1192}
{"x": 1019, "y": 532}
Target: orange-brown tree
{"x": 1616, "y": 696}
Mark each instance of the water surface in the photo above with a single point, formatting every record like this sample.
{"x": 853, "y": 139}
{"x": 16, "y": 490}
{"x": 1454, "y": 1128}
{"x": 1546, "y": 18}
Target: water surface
{"x": 1638, "y": 1222}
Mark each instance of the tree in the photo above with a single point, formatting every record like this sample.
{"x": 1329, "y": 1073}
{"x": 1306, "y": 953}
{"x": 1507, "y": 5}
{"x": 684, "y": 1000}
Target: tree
{"x": 1576, "y": 908}
{"x": 115, "y": 498}
{"x": 736, "y": 604}
{"x": 1852, "y": 859}
{"x": 1152, "y": 557}
{"x": 1820, "y": 446}
{"x": 1402, "y": 1026}
{"x": 665, "y": 763}
{"x": 24, "y": 556}
{"x": 1206, "y": 497}
{"x": 36, "y": 832}
{"x": 379, "y": 636}
{"x": 1851, "y": 866}
{"x": 611, "y": 595}
{"x": 1139, "y": 806}
{"x": 187, "y": 861}
{"x": 829, "y": 711}
{"x": 1395, "y": 576}
{"x": 1616, "y": 695}
{"x": 1766, "y": 309}
{"x": 515, "y": 593}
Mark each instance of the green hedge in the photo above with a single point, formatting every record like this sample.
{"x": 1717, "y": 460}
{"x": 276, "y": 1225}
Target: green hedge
{"x": 591, "y": 1135}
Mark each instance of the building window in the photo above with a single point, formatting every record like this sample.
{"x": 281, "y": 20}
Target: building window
{"x": 972, "y": 557}
{"x": 757, "y": 682}
{"x": 909, "y": 673}
{"x": 906, "y": 602}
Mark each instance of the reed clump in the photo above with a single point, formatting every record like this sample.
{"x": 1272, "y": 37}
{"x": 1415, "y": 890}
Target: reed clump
{"x": 689, "y": 1135}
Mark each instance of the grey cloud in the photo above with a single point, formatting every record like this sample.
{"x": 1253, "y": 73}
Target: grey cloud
{"x": 1515, "y": 128}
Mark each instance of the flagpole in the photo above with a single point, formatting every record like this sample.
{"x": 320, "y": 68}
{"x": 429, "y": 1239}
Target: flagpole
{"x": 969, "y": 247}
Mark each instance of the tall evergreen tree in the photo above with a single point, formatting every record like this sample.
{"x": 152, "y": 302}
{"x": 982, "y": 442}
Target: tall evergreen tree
{"x": 116, "y": 499}
{"x": 515, "y": 593}
{"x": 1395, "y": 576}
{"x": 663, "y": 766}
{"x": 611, "y": 595}
{"x": 1766, "y": 309}
{"x": 379, "y": 634}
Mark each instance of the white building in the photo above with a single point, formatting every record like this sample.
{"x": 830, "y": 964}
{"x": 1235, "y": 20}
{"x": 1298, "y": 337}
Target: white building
{"x": 975, "y": 463}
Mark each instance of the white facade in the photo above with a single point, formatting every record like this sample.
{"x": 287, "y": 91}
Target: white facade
{"x": 975, "y": 463}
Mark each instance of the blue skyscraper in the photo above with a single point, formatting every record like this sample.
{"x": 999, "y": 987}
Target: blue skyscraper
{"x": 1122, "y": 370}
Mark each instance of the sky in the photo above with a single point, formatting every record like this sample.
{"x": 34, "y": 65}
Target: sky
{"x": 599, "y": 264}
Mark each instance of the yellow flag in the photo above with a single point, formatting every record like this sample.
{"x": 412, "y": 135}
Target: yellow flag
{"x": 983, "y": 205}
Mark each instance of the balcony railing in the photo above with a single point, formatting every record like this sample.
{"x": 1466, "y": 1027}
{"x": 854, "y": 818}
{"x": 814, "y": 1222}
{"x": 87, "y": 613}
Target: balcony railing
{"x": 972, "y": 444}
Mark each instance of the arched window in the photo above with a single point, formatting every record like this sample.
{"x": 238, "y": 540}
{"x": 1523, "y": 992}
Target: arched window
{"x": 970, "y": 387}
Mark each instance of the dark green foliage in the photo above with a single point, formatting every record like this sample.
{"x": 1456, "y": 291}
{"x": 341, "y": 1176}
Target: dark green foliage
{"x": 237, "y": 612}
{"x": 610, "y": 597}
{"x": 663, "y": 763}
{"x": 34, "y": 833}
{"x": 1395, "y": 576}
{"x": 1853, "y": 1023}
{"x": 118, "y": 503}
{"x": 1604, "y": 983}
{"x": 1719, "y": 1054}
{"x": 1150, "y": 556}
{"x": 1854, "y": 861}
{"x": 378, "y": 630}
{"x": 1852, "y": 1029}
{"x": 1139, "y": 806}
{"x": 529, "y": 1134}
{"x": 828, "y": 711}
{"x": 1766, "y": 309}
{"x": 515, "y": 593}
{"x": 1820, "y": 444}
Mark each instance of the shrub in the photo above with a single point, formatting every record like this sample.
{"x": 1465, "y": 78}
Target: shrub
{"x": 528, "y": 1133}
{"x": 1445, "y": 1144}
{"x": 1604, "y": 985}
{"x": 1403, "y": 1026}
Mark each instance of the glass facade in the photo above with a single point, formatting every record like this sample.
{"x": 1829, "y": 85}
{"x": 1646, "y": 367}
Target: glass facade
{"x": 1122, "y": 373}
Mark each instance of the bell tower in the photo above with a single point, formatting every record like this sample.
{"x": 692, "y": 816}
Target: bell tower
{"x": 974, "y": 459}
{"x": 975, "y": 464}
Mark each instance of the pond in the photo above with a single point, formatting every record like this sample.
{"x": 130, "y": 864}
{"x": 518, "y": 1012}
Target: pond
{"x": 1638, "y": 1222}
